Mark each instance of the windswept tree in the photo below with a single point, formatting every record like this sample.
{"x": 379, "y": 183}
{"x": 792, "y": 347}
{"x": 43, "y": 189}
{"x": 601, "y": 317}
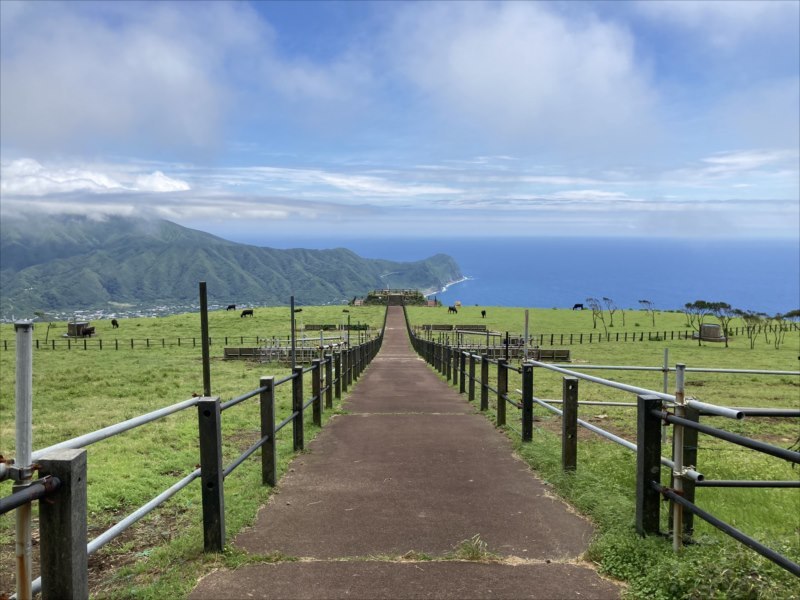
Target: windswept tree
{"x": 611, "y": 308}
{"x": 724, "y": 314}
{"x": 649, "y": 308}
{"x": 597, "y": 313}
{"x": 778, "y": 326}
{"x": 752, "y": 324}
{"x": 696, "y": 313}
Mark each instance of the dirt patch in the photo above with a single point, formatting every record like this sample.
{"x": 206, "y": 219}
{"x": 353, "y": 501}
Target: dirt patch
{"x": 133, "y": 545}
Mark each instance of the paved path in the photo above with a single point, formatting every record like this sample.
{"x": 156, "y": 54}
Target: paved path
{"x": 411, "y": 470}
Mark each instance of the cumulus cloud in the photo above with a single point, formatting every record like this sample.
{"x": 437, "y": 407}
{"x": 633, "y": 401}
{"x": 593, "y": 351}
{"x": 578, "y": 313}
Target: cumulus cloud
{"x": 522, "y": 71}
{"x": 93, "y": 76}
{"x": 28, "y": 177}
{"x": 723, "y": 24}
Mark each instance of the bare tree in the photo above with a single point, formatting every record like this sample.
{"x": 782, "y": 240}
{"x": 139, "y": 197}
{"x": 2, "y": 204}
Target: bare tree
{"x": 43, "y": 316}
{"x": 696, "y": 312}
{"x": 752, "y": 324}
{"x": 779, "y": 330}
{"x": 611, "y": 308}
{"x": 650, "y": 309}
{"x": 597, "y": 313}
{"x": 724, "y": 314}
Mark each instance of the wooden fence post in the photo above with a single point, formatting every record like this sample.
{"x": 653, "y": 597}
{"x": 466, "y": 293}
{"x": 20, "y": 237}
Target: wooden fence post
{"x": 527, "y": 402}
{"x": 462, "y": 367}
{"x": 328, "y": 381}
{"x": 297, "y": 407}
{"x": 338, "y": 363}
{"x": 689, "y": 460}
{"x": 502, "y": 390}
{"x": 269, "y": 449}
{"x": 62, "y": 526}
{"x": 471, "y": 391}
{"x": 485, "y": 382}
{"x": 648, "y": 465}
{"x": 316, "y": 390}
{"x": 569, "y": 424}
{"x": 211, "y": 474}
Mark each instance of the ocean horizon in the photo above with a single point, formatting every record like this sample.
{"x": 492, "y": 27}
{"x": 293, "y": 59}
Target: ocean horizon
{"x": 762, "y": 276}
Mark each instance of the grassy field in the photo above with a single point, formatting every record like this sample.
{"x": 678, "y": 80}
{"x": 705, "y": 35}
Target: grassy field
{"x": 604, "y": 485}
{"x": 78, "y": 391}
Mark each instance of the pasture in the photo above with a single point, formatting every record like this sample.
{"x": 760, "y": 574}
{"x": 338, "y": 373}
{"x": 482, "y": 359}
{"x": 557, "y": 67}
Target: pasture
{"x": 79, "y": 390}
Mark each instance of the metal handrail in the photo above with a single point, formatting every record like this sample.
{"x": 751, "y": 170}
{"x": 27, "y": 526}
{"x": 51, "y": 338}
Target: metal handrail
{"x": 111, "y": 430}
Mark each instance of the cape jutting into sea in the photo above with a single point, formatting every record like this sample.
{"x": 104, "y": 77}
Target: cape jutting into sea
{"x": 762, "y": 276}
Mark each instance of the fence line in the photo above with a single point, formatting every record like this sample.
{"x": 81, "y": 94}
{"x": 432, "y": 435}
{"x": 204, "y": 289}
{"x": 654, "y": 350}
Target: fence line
{"x": 348, "y": 363}
{"x": 459, "y": 367}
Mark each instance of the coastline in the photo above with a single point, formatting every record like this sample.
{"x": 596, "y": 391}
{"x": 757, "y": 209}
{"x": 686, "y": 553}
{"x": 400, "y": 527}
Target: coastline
{"x": 428, "y": 293}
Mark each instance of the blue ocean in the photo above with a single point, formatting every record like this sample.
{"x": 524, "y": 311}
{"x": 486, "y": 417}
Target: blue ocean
{"x": 761, "y": 276}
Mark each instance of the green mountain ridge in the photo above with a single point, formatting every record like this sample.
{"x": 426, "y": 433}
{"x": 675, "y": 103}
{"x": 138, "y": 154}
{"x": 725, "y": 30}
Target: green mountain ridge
{"x": 70, "y": 263}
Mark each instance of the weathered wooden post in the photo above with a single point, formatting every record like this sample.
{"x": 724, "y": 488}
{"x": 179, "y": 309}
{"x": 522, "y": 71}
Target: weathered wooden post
{"x": 648, "y": 464}
{"x": 485, "y": 382}
{"x": 471, "y": 377}
{"x": 297, "y": 407}
{"x": 205, "y": 340}
{"x": 339, "y": 376}
{"x": 211, "y": 474}
{"x": 269, "y": 449}
{"x": 328, "y": 381}
{"x": 569, "y": 424}
{"x": 527, "y": 402}
{"x": 62, "y": 525}
{"x": 462, "y": 368}
{"x": 502, "y": 390}
{"x": 316, "y": 391}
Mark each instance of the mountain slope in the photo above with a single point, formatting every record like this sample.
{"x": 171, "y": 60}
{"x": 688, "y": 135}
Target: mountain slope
{"x": 66, "y": 263}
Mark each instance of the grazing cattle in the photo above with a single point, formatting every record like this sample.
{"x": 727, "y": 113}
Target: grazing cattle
{"x": 578, "y": 307}
{"x": 483, "y": 314}
{"x": 231, "y": 307}
{"x": 114, "y": 324}
{"x": 248, "y": 312}
{"x": 452, "y": 310}
{"x": 87, "y": 332}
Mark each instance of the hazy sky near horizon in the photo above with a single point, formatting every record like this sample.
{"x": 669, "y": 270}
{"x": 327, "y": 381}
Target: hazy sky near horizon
{"x": 373, "y": 119}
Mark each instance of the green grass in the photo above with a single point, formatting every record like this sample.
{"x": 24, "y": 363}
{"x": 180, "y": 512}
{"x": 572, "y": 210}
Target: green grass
{"x": 603, "y": 487}
{"x": 79, "y": 391}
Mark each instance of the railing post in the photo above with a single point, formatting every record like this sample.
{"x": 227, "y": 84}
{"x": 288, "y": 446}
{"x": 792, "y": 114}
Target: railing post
{"x": 297, "y": 407}
{"x": 269, "y": 449}
{"x": 527, "y": 402}
{"x": 349, "y": 366}
{"x": 211, "y": 474}
{"x": 328, "y": 381}
{"x": 471, "y": 377}
{"x": 462, "y": 369}
{"x": 316, "y": 390}
{"x": 502, "y": 390}
{"x": 448, "y": 360}
{"x": 648, "y": 465}
{"x": 690, "y": 462}
{"x": 62, "y": 526}
{"x": 485, "y": 382}
{"x": 569, "y": 424}
{"x": 338, "y": 362}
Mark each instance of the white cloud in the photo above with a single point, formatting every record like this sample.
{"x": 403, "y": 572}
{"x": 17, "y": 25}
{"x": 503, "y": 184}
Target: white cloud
{"x": 158, "y": 182}
{"x": 521, "y": 71}
{"x": 28, "y": 177}
{"x": 723, "y": 23}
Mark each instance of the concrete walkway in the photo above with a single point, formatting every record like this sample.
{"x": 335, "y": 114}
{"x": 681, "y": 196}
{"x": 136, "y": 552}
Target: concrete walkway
{"x": 409, "y": 473}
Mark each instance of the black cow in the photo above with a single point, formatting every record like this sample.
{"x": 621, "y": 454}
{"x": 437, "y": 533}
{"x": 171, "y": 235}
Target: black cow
{"x": 483, "y": 314}
{"x": 452, "y": 310}
{"x": 248, "y": 312}
{"x": 577, "y": 307}
{"x": 114, "y": 324}
{"x": 231, "y": 307}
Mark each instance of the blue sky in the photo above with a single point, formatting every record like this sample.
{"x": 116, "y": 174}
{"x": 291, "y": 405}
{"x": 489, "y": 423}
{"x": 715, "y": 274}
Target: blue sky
{"x": 275, "y": 121}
